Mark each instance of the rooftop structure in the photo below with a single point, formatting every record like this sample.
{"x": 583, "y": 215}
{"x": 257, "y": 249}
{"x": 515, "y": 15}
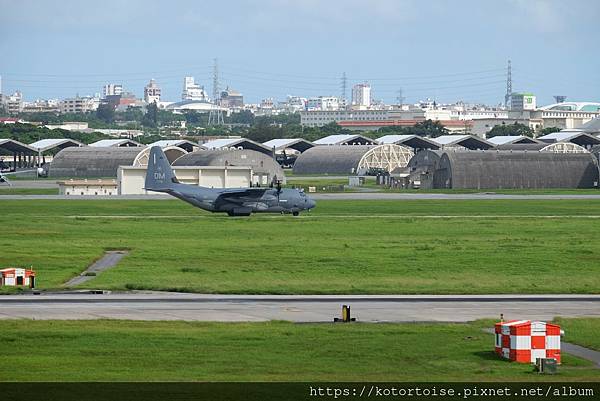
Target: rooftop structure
{"x": 506, "y": 139}
{"x": 45, "y": 145}
{"x": 576, "y": 136}
{"x": 573, "y": 106}
{"x": 345, "y": 139}
{"x": 297, "y": 144}
{"x": 16, "y": 147}
{"x": 191, "y": 105}
{"x": 462, "y": 141}
{"x": 115, "y": 143}
{"x": 557, "y": 147}
{"x": 237, "y": 143}
{"x": 412, "y": 141}
{"x": 188, "y": 146}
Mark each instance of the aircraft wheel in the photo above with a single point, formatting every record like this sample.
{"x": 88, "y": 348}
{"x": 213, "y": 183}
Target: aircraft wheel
{"x": 296, "y": 213}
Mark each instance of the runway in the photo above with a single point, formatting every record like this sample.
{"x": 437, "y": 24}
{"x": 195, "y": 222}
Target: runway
{"x": 296, "y": 308}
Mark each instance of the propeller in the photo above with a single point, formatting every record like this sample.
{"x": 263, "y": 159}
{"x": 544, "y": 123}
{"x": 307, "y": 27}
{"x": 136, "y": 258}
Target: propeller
{"x": 277, "y": 184}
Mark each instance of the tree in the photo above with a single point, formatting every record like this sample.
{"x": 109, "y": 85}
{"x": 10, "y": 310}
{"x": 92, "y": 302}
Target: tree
{"x": 516, "y": 129}
{"x": 243, "y": 117}
{"x": 428, "y": 128}
{"x": 106, "y": 113}
{"x": 151, "y": 117}
{"x": 548, "y": 130}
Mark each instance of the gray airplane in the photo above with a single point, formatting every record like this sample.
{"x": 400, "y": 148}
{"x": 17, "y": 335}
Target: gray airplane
{"x": 233, "y": 201}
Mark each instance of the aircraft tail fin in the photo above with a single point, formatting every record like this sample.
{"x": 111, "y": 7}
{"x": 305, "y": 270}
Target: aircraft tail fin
{"x": 159, "y": 175}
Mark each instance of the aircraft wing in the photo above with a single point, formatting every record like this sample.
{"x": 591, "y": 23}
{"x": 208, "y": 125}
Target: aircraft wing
{"x": 240, "y": 195}
{"x": 19, "y": 172}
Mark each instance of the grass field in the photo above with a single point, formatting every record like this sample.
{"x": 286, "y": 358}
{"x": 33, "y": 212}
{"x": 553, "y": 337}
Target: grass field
{"x": 370, "y": 247}
{"x": 585, "y": 332}
{"x": 6, "y": 190}
{"x": 387, "y": 247}
{"x": 112, "y": 350}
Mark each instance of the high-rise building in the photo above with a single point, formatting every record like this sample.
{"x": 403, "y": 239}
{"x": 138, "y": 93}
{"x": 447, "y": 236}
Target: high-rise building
{"x": 361, "y": 96}
{"x": 193, "y": 91}
{"x": 112, "y": 90}
{"x": 522, "y": 101}
{"x": 231, "y": 98}
{"x": 152, "y": 92}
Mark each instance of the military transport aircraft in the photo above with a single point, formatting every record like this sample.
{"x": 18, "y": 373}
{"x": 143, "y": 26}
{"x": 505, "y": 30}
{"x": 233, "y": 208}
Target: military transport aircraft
{"x": 233, "y": 201}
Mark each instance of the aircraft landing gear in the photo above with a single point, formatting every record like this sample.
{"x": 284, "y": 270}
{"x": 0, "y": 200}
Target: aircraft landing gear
{"x": 295, "y": 213}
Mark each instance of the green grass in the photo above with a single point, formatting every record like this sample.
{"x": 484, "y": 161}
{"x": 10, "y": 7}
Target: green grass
{"x": 354, "y": 247}
{"x": 585, "y": 332}
{"x": 548, "y": 191}
{"x": 109, "y": 350}
{"x": 27, "y": 191}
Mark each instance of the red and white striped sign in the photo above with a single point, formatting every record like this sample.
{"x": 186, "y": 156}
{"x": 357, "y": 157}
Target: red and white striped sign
{"x": 525, "y": 341}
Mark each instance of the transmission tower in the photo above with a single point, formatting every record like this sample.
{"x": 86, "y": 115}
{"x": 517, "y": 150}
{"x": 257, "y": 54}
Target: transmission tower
{"x": 400, "y": 98}
{"x": 508, "y": 85}
{"x": 215, "y": 117}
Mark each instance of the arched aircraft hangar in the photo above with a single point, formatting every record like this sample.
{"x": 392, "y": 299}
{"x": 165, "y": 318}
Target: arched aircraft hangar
{"x": 352, "y": 159}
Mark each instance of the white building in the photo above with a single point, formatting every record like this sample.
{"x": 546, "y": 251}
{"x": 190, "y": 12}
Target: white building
{"x": 152, "y": 92}
{"x": 41, "y": 106}
{"x": 361, "y": 96}
{"x": 323, "y": 103}
{"x": 193, "y": 91}
{"x": 88, "y": 187}
{"x": 522, "y": 101}
{"x": 79, "y": 104}
{"x": 112, "y": 90}
{"x": 13, "y": 104}
{"x": 293, "y": 104}
{"x": 131, "y": 179}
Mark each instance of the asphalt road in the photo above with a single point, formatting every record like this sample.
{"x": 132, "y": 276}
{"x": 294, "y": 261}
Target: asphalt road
{"x": 318, "y": 308}
{"x": 330, "y": 196}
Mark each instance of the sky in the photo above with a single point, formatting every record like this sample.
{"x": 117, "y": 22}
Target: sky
{"x": 438, "y": 49}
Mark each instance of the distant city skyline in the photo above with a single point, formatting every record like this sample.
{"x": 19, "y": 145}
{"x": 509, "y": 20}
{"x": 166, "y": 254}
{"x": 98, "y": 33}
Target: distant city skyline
{"x": 447, "y": 51}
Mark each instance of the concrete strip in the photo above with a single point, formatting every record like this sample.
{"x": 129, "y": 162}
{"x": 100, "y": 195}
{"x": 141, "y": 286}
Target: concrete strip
{"x": 582, "y": 352}
{"x": 110, "y": 259}
{"x": 153, "y": 306}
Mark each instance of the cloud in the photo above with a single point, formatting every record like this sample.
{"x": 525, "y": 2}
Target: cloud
{"x": 553, "y": 16}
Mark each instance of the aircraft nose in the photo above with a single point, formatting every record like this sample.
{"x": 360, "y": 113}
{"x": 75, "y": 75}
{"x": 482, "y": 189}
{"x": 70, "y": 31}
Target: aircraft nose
{"x": 311, "y": 203}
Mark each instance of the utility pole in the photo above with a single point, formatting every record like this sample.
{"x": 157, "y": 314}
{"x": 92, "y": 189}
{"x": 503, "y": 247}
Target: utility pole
{"x": 215, "y": 117}
{"x": 508, "y": 85}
